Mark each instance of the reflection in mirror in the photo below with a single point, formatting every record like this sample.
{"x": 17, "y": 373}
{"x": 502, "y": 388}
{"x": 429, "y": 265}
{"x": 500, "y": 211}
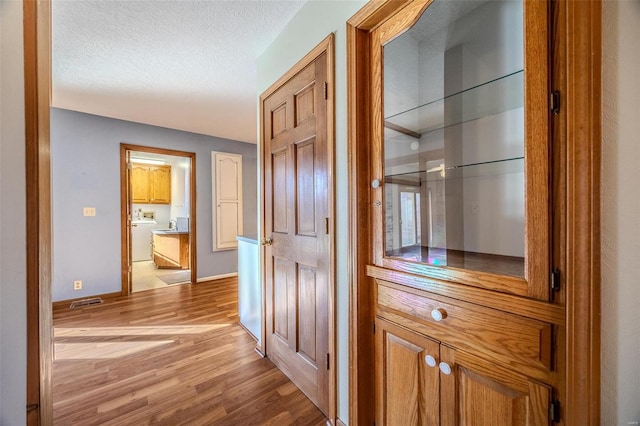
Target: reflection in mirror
{"x": 454, "y": 138}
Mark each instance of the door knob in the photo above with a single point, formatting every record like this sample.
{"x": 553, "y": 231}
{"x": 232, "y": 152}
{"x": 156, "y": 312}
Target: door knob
{"x": 430, "y": 360}
{"x": 267, "y": 241}
{"x": 438, "y": 314}
{"x": 445, "y": 368}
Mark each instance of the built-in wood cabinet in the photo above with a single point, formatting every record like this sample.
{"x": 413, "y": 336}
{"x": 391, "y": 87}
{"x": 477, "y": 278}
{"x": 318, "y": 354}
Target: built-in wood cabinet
{"x": 408, "y": 380}
{"x": 474, "y": 391}
{"x": 465, "y": 201}
{"x": 423, "y": 382}
{"x": 462, "y": 175}
{"x": 150, "y": 184}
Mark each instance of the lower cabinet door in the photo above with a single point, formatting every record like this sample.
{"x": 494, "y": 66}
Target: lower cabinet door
{"x": 477, "y": 392}
{"x": 407, "y": 377}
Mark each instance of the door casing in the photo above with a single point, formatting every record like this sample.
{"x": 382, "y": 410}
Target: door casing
{"x": 125, "y": 205}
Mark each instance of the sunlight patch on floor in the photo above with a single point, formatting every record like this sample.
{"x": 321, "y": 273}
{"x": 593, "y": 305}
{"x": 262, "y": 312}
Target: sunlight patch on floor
{"x": 103, "y": 350}
{"x": 135, "y": 331}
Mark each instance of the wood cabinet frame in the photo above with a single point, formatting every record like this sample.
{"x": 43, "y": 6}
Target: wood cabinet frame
{"x": 575, "y": 71}
{"x": 535, "y": 283}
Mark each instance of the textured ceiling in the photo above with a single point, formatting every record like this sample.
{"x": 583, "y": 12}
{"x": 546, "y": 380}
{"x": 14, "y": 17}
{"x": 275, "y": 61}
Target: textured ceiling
{"x": 187, "y": 65}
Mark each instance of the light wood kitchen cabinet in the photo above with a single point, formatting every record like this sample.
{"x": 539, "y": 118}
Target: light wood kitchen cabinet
{"x": 171, "y": 250}
{"x": 140, "y": 190}
{"x": 160, "y": 184}
{"x": 150, "y": 184}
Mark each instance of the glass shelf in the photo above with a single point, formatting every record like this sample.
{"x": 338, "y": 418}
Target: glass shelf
{"x": 492, "y": 97}
{"x": 488, "y": 168}
{"x": 491, "y": 263}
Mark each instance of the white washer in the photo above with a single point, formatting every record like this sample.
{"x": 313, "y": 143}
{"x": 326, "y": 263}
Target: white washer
{"x": 141, "y": 239}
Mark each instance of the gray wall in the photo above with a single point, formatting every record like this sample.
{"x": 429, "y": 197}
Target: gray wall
{"x": 620, "y": 209}
{"x": 85, "y": 159}
{"x": 13, "y": 347}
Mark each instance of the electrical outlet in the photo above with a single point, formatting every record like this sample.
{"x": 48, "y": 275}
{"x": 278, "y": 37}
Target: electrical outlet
{"x": 89, "y": 211}
{"x": 77, "y": 285}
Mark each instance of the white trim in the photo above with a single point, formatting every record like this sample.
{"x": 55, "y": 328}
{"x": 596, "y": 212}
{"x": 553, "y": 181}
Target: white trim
{"x": 217, "y": 277}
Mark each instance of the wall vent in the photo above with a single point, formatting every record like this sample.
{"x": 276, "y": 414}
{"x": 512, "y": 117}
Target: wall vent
{"x": 86, "y": 302}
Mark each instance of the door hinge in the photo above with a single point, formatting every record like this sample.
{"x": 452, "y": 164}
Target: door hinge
{"x": 555, "y": 102}
{"x": 555, "y": 280}
{"x": 327, "y": 361}
{"x": 554, "y": 411}
{"x": 326, "y": 225}
{"x": 326, "y": 90}
{"x": 32, "y": 407}
{"x": 374, "y": 327}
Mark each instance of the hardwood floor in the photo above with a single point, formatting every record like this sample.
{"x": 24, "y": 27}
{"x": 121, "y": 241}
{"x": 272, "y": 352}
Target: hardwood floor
{"x": 171, "y": 356}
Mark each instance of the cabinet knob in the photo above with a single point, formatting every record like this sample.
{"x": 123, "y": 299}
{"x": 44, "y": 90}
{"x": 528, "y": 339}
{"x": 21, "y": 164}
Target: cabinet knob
{"x": 431, "y": 361}
{"x": 438, "y": 314}
{"x": 445, "y": 368}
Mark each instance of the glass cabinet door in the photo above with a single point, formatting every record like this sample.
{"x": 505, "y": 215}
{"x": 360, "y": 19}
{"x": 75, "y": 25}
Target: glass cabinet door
{"x": 465, "y": 142}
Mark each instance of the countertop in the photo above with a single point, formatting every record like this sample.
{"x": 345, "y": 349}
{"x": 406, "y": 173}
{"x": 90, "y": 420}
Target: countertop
{"x": 248, "y": 238}
{"x": 168, "y": 232}
{"x": 141, "y": 221}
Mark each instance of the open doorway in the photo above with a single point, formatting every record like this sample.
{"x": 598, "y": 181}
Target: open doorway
{"x": 158, "y": 218}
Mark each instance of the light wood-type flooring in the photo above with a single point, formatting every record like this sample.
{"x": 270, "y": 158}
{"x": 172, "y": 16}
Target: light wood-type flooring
{"x": 170, "y": 356}
{"x": 146, "y": 276}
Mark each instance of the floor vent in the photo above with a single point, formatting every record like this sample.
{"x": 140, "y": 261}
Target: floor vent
{"x": 86, "y": 302}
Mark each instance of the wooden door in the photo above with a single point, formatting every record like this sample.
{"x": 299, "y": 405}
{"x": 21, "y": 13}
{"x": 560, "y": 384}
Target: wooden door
{"x": 298, "y": 263}
{"x": 478, "y": 392}
{"x": 407, "y": 377}
{"x": 140, "y": 189}
{"x": 160, "y": 178}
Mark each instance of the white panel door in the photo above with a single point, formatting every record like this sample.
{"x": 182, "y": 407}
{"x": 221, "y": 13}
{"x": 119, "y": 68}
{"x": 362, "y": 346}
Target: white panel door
{"x": 228, "y": 199}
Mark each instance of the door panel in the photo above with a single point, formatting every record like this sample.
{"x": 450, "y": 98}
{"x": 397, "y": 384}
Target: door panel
{"x": 478, "y": 392}
{"x": 407, "y": 389}
{"x": 160, "y": 176}
{"x": 296, "y": 204}
{"x": 305, "y": 202}
{"x": 279, "y": 201}
{"x": 307, "y": 313}
{"x": 281, "y": 298}
{"x": 140, "y": 188}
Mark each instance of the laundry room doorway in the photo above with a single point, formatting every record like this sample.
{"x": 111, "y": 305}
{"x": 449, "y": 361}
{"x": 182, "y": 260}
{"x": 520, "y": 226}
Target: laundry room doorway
{"x": 158, "y": 218}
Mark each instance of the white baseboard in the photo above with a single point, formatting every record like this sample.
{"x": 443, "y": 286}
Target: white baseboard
{"x": 217, "y": 277}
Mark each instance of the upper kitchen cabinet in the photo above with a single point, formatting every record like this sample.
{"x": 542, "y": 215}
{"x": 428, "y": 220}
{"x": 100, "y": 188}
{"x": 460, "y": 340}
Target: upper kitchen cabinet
{"x": 140, "y": 191}
{"x": 160, "y": 184}
{"x": 150, "y": 184}
{"x": 463, "y": 134}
